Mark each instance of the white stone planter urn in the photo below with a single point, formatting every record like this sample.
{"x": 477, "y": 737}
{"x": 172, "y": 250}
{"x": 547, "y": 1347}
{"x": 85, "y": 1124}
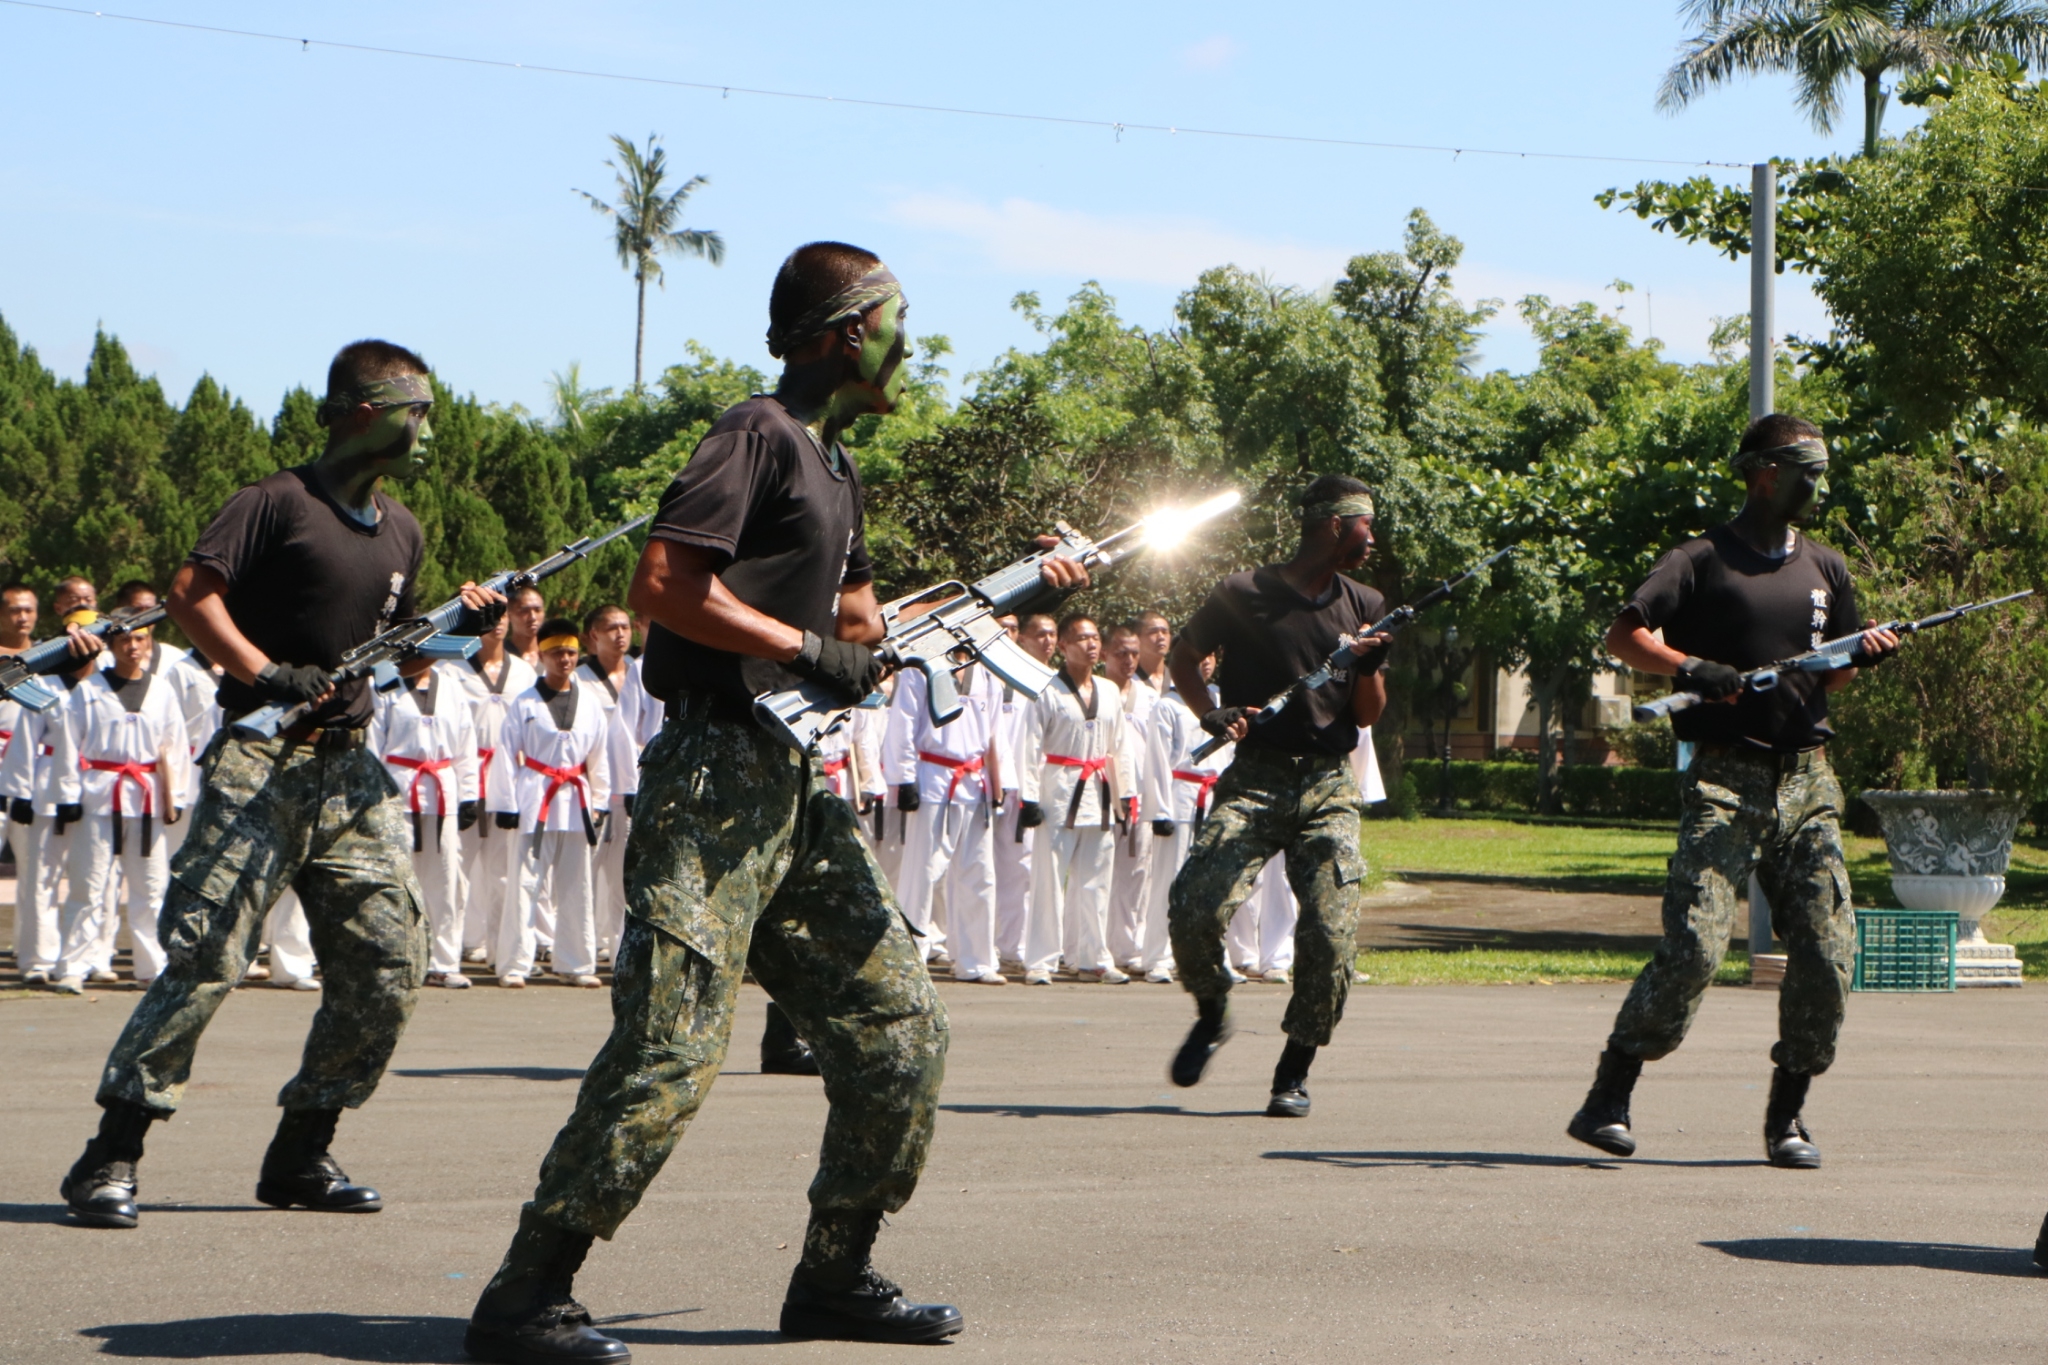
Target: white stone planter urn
{"x": 1949, "y": 851}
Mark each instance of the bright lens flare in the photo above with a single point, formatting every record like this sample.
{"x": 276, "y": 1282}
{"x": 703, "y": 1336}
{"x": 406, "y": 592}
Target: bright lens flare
{"x": 1166, "y": 529}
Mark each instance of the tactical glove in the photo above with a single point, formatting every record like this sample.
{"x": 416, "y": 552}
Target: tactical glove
{"x": 466, "y": 813}
{"x": 907, "y": 799}
{"x": 506, "y": 819}
{"x": 292, "y": 683}
{"x": 1219, "y": 721}
{"x": 21, "y": 812}
{"x": 478, "y": 620}
{"x": 1030, "y": 815}
{"x": 629, "y": 805}
{"x": 1709, "y": 679}
{"x": 851, "y": 671}
{"x": 70, "y": 813}
{"x": 1163, "y": 828}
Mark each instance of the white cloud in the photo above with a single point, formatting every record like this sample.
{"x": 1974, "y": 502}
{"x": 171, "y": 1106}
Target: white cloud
{"x": 1021, "y": 235}
{"x": 1211, "y": 54}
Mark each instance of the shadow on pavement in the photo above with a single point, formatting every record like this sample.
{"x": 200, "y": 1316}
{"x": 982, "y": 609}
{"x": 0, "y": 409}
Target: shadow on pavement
{"x": 501, "y": 1073}
{"x": 57, "y": 1213}
{"x": 1852, "y": 1251}
{"x": 1458, "y": 938}
{"x": 348, "y": 1336}
{"x": 1097, "y": 1111}
{"x": 1484, "y": 1160}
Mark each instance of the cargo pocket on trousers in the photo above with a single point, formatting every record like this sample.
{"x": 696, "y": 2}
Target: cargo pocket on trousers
{"x": 1347, "y": 867}
{"x": 655, "y": 981}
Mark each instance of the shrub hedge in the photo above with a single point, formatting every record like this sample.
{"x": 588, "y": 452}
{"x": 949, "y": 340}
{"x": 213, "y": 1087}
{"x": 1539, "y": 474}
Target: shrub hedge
{"x": 1624, "y": 793}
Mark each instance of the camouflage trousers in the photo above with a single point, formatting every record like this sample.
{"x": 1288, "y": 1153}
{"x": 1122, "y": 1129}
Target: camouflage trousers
{"x": 1777, "y": 815}
{"x": 740, "y": 858}
{"x": 329, "y": 824}
{"x": 1307, "y": 807}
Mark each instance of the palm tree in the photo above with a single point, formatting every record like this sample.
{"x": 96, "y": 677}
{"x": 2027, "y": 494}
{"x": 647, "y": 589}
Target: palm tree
{"x": 573, "y": 402}
{"x": 645, "y": 223}
{"x": 1826, "y": 43}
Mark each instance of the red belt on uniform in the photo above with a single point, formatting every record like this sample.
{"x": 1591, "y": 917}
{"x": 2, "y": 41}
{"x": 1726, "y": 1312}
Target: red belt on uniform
{"x": 124, "y": 771}
{"x": 1090, "y": 767}
{"x": 831, "y": 768}
{"x": 559, "y": 778}
{"x": 961, "y": 767}
{"x": 1206, "y": 783}
{"x": 422, "y": 769}
{"x": 483, "y": 788}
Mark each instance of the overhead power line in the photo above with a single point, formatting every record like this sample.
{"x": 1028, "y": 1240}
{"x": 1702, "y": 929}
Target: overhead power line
{"x": 1107, "y": 125}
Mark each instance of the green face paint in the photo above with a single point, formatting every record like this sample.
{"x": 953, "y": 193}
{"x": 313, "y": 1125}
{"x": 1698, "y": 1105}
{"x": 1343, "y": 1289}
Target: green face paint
{"x": 886, "y": 348}
{"x": 1801, "y": 488}
{"x": 398, "y": 435}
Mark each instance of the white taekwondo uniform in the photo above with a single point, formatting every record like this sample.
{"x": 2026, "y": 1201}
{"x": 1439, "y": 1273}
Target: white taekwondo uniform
{"x": 1130, "y": 883}
{"x": 608, "y": 866}
{"x": 886, "y": 828}
{"x": 486, "y": 858}
{"x": 562, "y": 794}
{"x": 1070, "y": 769}
{"x": 121, "y": 752}
{"x": 1012, "y": 841}
{"x": 949, "y": 833}
{"x": 426, "y": 735}
{"x": 1180, "y": 789}
{"x": 26, "y": 775}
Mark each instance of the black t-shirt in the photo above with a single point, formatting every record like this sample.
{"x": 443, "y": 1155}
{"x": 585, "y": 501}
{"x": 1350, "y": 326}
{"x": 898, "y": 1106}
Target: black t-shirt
{"x": 782, "y": 518}
{"x": 308, "y": 582}
{"x": 1717, "y": 598}
{"x": 1270, "y": 636}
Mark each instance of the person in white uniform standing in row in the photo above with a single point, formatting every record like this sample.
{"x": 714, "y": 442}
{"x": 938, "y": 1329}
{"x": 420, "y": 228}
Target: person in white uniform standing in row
{"x": 37, "y": 867}
{"x": 1131, "y": 882}
{"x": 1177, "y": 792}
{"x": 560, "y": 729}
{"x": 1074, "y": 794}
{"x": 947, "y": 778}
{"x": 491, "y": 679}
{"x": 1037, "y": 635}
{"x": 426, "y": 735}
{"x": 122, "y": 758}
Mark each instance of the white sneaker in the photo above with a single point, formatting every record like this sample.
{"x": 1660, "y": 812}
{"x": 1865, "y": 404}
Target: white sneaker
{"x": 1159, "y": 976}
{"x": 1134, "y": 965}
{"x": 987, "y": 976}
{"x": 69, "y": 985}
{"x": 1237, "y": 978}
{"x": 1038, "y": 976}
{"x": 295, "y": 983}
{"x": 1110, "y": 976}
{"x": 1278, "y": 976}
{"x": 102, "y": 976}
{"x": 257, "y": 972}
{"x": 35, "y": 976}
{"x": 581, "y": 980}
{"x": 477, "y": 955}
{"x": 454, "y": 981}
{"x": 512, "y": 981}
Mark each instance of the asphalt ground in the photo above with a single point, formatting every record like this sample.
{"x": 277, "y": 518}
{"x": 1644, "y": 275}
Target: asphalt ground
{"x": 1078, "y": 1208}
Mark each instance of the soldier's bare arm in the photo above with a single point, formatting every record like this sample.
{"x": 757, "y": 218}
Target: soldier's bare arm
{"x": 198, "y": 603}
{"x": 676, "y": 586}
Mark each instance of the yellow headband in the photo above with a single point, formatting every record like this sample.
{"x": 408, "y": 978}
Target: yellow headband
{"x": 554, "y": 642}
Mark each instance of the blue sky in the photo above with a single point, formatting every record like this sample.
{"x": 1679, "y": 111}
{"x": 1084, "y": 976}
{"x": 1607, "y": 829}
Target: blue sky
{"x": 244, "y": 207}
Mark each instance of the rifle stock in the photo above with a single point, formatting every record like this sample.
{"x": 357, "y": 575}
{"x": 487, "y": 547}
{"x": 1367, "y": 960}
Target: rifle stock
{"x": 20, "y": 673}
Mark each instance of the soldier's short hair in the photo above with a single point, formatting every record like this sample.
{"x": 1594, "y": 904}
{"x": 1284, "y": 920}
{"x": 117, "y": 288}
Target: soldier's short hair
{"x": 1778, "y": 429}
{"x": 359, "y": 362}
{"x": 1073, "y": 619}
{"x": 125, "y": 595}
{"x": 14, "y": 586}
{"x": 524, "y": 589}
{"x": 812, "y": 274}
{"x": 597, "y": 614}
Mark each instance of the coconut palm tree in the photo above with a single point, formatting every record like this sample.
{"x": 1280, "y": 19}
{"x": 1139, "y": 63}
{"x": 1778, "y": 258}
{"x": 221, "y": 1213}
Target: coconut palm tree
{"x": 646, "y": 222}
{"x": 1827, "y": 43}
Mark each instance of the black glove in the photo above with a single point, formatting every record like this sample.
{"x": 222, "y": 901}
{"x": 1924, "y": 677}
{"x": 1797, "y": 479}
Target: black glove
{"x": 70, "y": 813}
{"x": 466, "y": 813}
{"x": 1163, "y": 828}
{"x": 291, "y": 683}
{"x": 506, "y": 819}
{"x": 1709, "y": 679}
{"x": 1030, "y": 815}
{"x": 478, "y": 620}
{"x": 1219, "y": 721}
{"x": 849, "y": 670}
{"x": 21, "y": 812}
{"x": 629, "y": 805}
{"x": 907, "y": 799}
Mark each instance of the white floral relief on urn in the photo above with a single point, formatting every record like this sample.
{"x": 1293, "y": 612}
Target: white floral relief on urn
{"x": 1949, "y": 851}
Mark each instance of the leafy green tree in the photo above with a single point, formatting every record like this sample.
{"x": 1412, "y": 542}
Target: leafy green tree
{"x": 646, "y": 221}
{"x": 1826, "y": 44}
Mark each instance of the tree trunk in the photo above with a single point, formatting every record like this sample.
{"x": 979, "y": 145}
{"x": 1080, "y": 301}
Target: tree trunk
{"x": 1548, "y": 797}
{"x": 1874, "y": 101}
{"x": 639, "y": 326}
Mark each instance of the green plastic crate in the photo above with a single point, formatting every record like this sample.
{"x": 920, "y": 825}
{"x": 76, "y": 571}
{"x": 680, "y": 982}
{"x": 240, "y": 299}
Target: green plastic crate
{"x": 1905, "y": 950}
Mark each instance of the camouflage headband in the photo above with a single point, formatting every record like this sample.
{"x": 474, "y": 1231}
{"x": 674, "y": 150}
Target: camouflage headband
{"x": 864, "y": 293}
{"x": 1350, "y": 505}
{"x": 399, "y": 391}
{"x": 1807, "y": 450}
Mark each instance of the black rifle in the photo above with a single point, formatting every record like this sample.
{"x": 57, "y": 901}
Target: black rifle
{"x": 1825, "y": 658}
{"x": 427, "y": 637}
{"x": 19, "y": 672}
{"x": 1350, "y": 654}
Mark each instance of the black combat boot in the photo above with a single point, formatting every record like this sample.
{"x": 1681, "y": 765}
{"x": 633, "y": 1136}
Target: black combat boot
{"x": 836, "y": 1295}
{"x": 782, "y": 1052}
{"x": 100, "y": 1188}
{"x": 1290, "y": 1082}
{"x": 1211, "y": 1031}
{"x": 527, "y": 1315}
{"x": 1786, "y": 1140}
{"x": 1602, "y": 1121}
{"x": 298, "y": 1171}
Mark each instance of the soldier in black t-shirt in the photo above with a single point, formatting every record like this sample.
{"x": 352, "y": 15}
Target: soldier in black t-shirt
{"x": 1290, "y": 788}
{"x": 295, "y": 569}
{"x": 1759, "y": 795}
{"x": 755, "y": 577}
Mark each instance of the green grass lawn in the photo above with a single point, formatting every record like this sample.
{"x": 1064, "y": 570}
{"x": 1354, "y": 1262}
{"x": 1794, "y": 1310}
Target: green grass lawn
{"x": 1577, "y": 857}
